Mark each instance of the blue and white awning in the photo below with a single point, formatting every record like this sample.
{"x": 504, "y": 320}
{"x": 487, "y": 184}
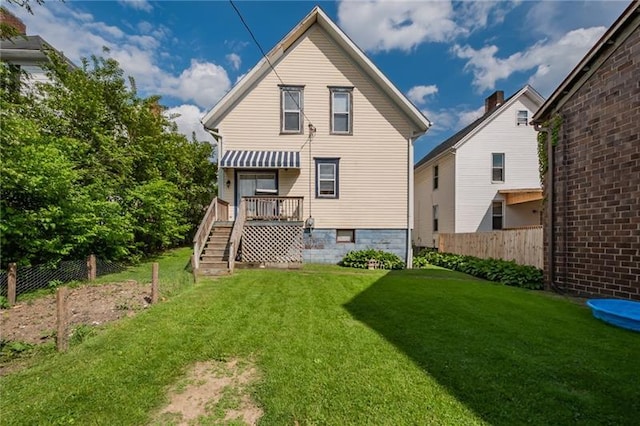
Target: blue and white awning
{"x": 261, "y": 160}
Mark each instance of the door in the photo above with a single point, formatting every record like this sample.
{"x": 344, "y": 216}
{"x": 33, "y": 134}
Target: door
{"x": 254, "y": 183}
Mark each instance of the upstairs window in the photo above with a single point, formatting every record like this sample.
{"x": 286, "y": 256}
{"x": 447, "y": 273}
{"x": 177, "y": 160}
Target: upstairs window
{"x": 522, "y": 118}
{"x": 435, "y": 218}
{"x": 497, "y": 168}
{"x": 327, "y": 177}
{"x": 341, "y": 106}
{"x": 291, "y": 109}
{"x": 436, "y": 173}
{"x": 497, "y": 215}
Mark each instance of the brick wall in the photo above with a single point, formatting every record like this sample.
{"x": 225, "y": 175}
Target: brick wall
{"x": 597, "y": 182}
{"x": 12, "y": 20}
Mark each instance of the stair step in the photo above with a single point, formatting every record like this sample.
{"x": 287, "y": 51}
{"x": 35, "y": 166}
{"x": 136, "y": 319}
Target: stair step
{"x": 213, "y": 259}
{"x": 213, "y": 271}
{"x": 213, "y": 264}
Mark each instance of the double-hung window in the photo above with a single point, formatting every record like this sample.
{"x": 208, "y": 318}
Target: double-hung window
{"x": 327, "y": 182}
{"x": 497, "y": 167}
{"x": 522, "y": 118}
{"x": 436, "y": 173}
{"x": 291, "y": 102}
{"x": 497, "y": 215}
{"x": 341, "y": 105}
{"x": 435, "y": 218}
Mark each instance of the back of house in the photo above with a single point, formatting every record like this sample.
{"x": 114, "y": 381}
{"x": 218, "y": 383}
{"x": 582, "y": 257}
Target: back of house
{"x": 318, "y": 136}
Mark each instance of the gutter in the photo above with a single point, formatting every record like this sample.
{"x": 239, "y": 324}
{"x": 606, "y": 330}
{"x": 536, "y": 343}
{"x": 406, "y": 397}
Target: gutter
{"x": 217, "y": 141}
{"x": 410, "y": 196}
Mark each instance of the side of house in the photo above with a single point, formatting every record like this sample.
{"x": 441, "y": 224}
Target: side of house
{"x": 483, "y": 178}
{"x": 349, "y": 134}
{"x": 592, "y": 225}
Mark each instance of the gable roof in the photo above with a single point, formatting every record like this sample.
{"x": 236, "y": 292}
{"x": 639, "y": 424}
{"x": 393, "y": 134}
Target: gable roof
{"x": 626, "y": 23}
{"x": 31, "y": 49}
{"x": 317, "y": 16}
{"x": 465, "y": 134}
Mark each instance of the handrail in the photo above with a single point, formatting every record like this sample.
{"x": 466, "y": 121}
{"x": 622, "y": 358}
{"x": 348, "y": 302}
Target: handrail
{"x": 204, "y": 229}
{"x": 236, "y": 233}
{"x": 274, "y": 208}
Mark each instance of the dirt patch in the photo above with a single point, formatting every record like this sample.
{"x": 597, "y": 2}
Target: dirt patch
{"x": 34, "y": 321}
{"x": 213, "y": 391}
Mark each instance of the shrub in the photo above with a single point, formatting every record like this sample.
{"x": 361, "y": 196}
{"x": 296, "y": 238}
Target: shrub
{"x": 506, "y": 272}
{"x": 360, "y": 259}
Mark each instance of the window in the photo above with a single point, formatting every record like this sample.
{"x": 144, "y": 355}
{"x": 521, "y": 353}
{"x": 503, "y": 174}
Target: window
{"x": 522, "y": 118}
{"x": 497, "y": 168}
{"x": 435, "y": 176}
{"x": 497, "y": 214}
{"x": 327, "y": 177}
{"x": 345, "y": 236}
{"x": 291, "y": 109}
{"x": 341, "y": 106}
{"x": 435, "y": 218}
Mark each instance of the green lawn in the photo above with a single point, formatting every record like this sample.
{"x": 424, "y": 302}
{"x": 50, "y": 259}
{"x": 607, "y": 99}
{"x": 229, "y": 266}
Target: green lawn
{"x": 343, "y": 346}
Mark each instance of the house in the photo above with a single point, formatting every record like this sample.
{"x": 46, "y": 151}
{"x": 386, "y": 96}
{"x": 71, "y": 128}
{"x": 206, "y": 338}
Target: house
{"x": 26, "y": 54}
{"x": 592, "y": 186}
{"x": 316, "y": 150}
{"x": 483, "y": 178}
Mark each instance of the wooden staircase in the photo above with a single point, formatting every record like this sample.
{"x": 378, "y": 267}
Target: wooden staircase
{"x": 214, "y": 259}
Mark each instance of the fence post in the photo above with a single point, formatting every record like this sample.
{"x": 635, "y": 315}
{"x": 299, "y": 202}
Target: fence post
{"x": 154, "y": 283}
{"x": 12, "y": 279}
{"x": 62, "y": 341}
{"x": 91, "y": 267}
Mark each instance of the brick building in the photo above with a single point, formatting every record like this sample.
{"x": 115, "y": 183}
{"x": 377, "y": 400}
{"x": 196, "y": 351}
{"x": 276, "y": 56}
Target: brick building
{"x": 592, "y": 187}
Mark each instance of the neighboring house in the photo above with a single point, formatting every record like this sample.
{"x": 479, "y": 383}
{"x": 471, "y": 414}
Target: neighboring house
{"x": 26, "y": 53}
{"x": 483, "y": 178}
{"x": 317, "y": 137}
{"x": 592, "y": 188}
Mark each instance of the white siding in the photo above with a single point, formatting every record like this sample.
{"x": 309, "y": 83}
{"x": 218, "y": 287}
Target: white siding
{"x": 373, "y": 161}
{"x": 474, "y": 188}
{"x": 425, "y": 197}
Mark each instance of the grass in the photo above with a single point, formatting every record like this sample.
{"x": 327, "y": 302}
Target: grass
{"x": 342, "y": 346}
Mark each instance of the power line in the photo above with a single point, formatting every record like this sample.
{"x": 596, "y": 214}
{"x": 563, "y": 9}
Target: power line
{"x": 264, "y": 55}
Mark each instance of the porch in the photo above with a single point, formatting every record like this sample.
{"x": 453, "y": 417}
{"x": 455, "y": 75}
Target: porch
{"x": 266, "y": 230}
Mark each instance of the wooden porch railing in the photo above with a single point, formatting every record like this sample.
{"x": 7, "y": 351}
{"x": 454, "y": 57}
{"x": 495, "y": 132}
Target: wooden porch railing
{"x": 236, "y": 234}
{"x": 273, "y": 208}
{"x": 217, "y": 210}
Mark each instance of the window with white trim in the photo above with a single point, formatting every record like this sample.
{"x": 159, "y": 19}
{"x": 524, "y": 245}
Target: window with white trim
{"x": 291, "y": 101}
{"x": 436, "y": 173}
{"x": 435, "y": 218}
{"x": 327, "y": 181}
{"x": 341, "y": 106}
{"x": 497, "y": 167}
{"x": 522, "y": 119}
{"x": 497, "y": 215}
{"x": 345, "y": 236}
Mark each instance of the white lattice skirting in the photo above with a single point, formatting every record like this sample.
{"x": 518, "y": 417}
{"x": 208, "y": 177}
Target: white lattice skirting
{"x": 272, "y": 243}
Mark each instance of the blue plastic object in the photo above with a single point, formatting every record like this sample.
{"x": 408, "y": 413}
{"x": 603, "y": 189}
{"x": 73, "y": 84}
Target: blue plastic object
{"x": 621, "y": 313}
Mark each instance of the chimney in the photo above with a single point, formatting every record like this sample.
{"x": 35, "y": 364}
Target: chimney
{"x": 496, "y": 99}
{"x": 12, "y": 21}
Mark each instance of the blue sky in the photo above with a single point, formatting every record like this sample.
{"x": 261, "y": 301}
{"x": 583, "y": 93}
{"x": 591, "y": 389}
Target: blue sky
{"x": 446, "y": 56}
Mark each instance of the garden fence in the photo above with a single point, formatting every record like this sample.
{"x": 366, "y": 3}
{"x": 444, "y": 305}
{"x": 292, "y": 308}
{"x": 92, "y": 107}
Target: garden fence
{"x": 31, "y": 278}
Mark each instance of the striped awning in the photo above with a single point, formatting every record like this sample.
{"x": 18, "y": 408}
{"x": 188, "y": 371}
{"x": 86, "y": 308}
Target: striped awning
{"x": 261, "y": 160}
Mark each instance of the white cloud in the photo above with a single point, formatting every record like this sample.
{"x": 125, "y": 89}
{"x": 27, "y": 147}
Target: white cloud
{"x": 235, "y": 60}
{"x": 143, "y": 5}
{"x": 80, "y": 35}
{"x": 187, "y": 118}
{"x": 203, "y": 82}
{"x": 550, "y": 61}
{"x": 452, "y": 118}
{"x": 418, "y": 94}
{"x": 381, "y": 25}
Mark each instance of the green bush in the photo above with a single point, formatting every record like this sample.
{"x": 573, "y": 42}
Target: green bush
{"x": 504, "y": 271}
{"x": 360, "y": 259}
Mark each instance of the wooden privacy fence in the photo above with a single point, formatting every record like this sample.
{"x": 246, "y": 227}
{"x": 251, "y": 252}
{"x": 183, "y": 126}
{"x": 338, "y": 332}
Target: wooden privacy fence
{"x": 524, "y": 246}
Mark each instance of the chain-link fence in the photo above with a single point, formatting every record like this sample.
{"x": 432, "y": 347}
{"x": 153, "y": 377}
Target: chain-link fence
{"x": 31, "y": 278}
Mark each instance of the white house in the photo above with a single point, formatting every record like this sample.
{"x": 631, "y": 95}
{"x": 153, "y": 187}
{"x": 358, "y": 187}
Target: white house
{"x": 316, "y": 136}
{"x": 483, "y": 178}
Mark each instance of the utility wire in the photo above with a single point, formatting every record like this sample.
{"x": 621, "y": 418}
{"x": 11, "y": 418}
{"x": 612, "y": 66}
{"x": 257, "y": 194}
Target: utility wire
{"x": 264, "y": 55}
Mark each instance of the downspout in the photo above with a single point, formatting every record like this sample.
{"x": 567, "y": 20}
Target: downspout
{"x": 549, "y": 208}
{"x": 218, "y": 141}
